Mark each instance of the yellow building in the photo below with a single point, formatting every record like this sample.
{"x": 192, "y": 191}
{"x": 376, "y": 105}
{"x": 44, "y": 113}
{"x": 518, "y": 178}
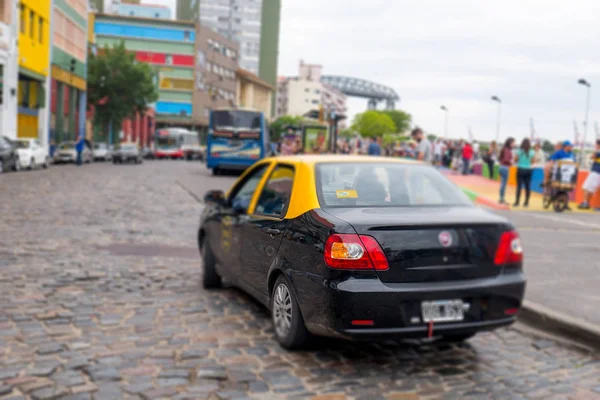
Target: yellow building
{"x": 253, "y": 93}
{"x": 34, "y": 64}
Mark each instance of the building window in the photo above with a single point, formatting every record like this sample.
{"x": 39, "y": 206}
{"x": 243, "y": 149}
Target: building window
{"x": 22, "y": 18}
{"x": 31, "y": 24}
{"x": 157, "y": 15}
{"x": 41, "y": 29}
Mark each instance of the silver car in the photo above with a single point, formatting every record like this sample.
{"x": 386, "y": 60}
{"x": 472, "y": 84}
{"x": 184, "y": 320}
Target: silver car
{"x": 102, "y": 152}
{"x": 66, "y": 153}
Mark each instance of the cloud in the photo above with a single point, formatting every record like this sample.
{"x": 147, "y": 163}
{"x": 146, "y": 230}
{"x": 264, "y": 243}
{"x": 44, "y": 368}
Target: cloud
{"x": 460, "y": 53}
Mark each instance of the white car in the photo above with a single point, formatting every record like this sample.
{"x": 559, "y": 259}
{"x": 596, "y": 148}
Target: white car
{"x": 32, "y": 153}
{"x": 66, "y": 153}
{"x": 102, "y": 152}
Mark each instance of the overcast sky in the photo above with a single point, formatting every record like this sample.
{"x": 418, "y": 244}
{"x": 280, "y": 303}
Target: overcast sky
{"x": 459, "y": 53}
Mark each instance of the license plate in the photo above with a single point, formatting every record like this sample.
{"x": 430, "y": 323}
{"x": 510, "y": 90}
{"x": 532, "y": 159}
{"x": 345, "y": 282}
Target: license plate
{"x": 442, "y": 311}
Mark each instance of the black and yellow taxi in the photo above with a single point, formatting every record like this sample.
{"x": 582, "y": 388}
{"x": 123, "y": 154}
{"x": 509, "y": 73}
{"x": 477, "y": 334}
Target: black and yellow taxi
{"x": 362, "y": 247}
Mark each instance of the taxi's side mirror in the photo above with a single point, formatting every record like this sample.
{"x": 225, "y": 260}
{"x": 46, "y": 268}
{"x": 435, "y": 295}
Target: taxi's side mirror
{"x": 215, "y": 197}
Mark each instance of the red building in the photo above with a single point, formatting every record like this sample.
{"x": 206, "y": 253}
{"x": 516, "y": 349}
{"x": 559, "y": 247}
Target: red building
{"x": 138, "y": 129}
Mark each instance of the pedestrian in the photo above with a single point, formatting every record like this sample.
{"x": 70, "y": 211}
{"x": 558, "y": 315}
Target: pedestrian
{"x": 475, "y": 147}
{"x": 490, "y": 158}
{"x": 540, "y": 157}
{"x": 592, "y": 182}
{"x": 79, "y": 146}
{"x": 288, "y": 146}
{"x": 457, "y": 155}
{"x": 467, "y": 155}
{"x": 524, "y": 159}
{"x": 374, "y": 148}
{"x": 424, "y": 151}
{"x": 438, "y": 150}
{"x": 52, "y": 148}
{"x": 505, "y": 159}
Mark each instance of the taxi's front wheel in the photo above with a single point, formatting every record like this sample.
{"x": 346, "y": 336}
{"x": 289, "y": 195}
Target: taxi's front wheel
{"x": 210, "y": 277}
{"x": 290, "y": 331}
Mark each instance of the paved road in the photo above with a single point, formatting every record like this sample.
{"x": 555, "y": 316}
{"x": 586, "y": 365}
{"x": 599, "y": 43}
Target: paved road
{"x": 100, "y": 298}
{"x": 562, "y": 261}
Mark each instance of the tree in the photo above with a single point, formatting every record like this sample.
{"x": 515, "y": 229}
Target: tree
{"x": 402, "y": 119}
{"x": 118, "y": 86}
{"x": 547, "y": 146}
{"x": 431, "y": 137}
{"x": 280, "y": 125}
{"x": 346, "y": 133}
{"x": 373, "y": 123}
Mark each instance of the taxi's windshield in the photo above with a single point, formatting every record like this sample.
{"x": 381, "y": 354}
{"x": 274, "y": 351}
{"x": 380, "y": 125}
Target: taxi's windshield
{"x": 385, "y": 185}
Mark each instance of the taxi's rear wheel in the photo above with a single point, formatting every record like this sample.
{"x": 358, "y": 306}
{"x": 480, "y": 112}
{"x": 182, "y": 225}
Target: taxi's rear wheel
{"x": 210, "y": 277}
{"x": 290, "y": 331}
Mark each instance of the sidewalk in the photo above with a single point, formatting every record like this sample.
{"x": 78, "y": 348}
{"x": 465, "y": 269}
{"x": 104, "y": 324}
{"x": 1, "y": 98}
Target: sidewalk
{"x": 485, "y": 192}
{"x": 562, "y": 288}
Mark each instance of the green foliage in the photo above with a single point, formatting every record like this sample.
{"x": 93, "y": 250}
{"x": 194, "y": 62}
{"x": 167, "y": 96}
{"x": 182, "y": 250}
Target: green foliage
{"x": 547, "y": 146}
{"x": 431, "y": 137}
{"x": 118, "y": 86}
{"x": 279, "y": 126}
{"x": 373, "y": 123}
{"x": 402, "y": 119}
{"x": 346, "y": 133}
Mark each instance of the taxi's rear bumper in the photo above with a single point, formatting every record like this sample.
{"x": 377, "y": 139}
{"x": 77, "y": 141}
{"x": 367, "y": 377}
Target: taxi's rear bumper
{"x": 368, "y": 308}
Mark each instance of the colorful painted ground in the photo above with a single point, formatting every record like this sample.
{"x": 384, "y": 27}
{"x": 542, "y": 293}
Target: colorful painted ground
{"x": 485, "y": 192}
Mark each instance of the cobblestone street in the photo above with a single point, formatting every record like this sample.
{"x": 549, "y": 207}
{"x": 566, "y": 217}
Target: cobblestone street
{"x": 100, "y": 298}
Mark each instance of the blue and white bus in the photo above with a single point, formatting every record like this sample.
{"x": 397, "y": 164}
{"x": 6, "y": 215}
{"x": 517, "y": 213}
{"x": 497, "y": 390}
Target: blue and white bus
{"x": 237, "y": 138}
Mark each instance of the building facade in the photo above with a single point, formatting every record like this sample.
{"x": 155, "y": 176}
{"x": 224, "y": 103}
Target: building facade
{"x": 169, "y": 47}
{"x": 253, "y": 93}
{"x": 132, "y": 9}
{"x": 300, "y": 94}
{"x": 34, "y": 68}
{"x": 9, "y": 71}
{"x": 254, "y": 24}
{"x": 69, "y": 70}
{"x": 215, "y": 73}
{"x": 97, "y": 6}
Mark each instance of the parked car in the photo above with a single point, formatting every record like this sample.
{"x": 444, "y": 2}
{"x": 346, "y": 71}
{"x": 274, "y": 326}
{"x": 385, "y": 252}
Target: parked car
{"x": 193, "y": 152}
{"x": 65, "y": 153}
{"x": 147, "y": 153}
{"x": 102, "y": 152}
{"x": 362, "y": 247}
{"x": 127, "y": 153}
{"x": 9, "y": 155}
{"x": 32, "y": 153}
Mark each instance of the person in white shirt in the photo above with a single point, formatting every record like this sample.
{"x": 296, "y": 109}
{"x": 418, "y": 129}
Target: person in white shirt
{"x": 475, "y": 150}
{"x": 438, "y": 150}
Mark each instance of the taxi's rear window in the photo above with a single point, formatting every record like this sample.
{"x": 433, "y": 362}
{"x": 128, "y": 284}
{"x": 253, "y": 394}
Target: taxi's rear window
{"x": 385, "y": 185}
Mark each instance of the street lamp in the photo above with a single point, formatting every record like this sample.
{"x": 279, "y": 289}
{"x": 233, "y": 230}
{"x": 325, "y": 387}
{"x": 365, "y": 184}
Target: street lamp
{"x": 445, "y": 110}
{"x": 497, "y": 99}
{"x": 587, "y": 112}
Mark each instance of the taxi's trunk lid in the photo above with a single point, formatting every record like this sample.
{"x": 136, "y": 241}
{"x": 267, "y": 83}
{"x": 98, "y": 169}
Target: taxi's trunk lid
{"x": 431, "y": 244}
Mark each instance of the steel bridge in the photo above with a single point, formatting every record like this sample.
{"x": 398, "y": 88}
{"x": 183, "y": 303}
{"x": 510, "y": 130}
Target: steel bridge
{"x": 356, "y": 87}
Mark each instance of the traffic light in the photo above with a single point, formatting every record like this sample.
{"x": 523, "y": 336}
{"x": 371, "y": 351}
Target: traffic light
{"x": 73, "y": 64}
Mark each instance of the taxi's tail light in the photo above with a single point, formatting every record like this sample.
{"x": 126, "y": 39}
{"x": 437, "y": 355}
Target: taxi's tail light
{"x": 509, "y": 249}
{"x": 354, "y": 252}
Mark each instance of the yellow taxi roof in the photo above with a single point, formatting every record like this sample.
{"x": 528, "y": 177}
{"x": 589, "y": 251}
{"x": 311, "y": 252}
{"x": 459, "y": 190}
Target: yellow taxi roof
{"x": 312, "y": 159}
